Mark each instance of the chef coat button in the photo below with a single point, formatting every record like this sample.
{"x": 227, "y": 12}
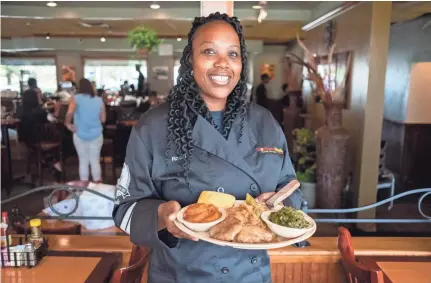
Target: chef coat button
{"x": 225, "y": 270}
{"x": 253, "y": 187}
{"x": 254, "y": 260}
{"x": 220, "y": 190}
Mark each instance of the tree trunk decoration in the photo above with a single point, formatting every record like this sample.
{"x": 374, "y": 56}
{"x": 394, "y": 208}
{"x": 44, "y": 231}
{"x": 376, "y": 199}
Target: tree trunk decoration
{"x": 331, "y": 147}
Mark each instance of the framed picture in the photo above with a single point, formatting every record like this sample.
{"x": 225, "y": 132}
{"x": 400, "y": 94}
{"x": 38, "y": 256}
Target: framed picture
{"x": 334, "y": 73}
{"x": 68, "y": 73}
{"x": 268, "y": 69}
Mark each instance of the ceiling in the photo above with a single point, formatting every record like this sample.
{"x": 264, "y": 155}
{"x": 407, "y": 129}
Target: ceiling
{"x": 271, "y": 31}
{"x": 173, "y": 19}
{"x": 308, "y": 5}
{"x": 26, "y": 19}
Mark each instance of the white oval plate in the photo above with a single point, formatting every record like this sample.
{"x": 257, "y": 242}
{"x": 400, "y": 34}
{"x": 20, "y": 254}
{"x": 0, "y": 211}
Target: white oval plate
{"x": 279, "y": 243}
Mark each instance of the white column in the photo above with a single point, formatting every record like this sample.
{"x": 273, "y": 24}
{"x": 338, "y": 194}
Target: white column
{"x": 208, "y": 7}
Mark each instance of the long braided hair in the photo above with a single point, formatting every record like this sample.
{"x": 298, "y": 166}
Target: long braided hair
{"x": 185, "y": 95}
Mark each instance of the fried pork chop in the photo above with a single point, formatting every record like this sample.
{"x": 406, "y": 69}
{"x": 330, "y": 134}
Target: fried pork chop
{"x": 241, "y": 225}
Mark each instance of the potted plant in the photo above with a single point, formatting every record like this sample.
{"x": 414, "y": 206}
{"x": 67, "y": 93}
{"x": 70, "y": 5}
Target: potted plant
{"x": 143, "y": 39}
{"x": 305, "y": 150}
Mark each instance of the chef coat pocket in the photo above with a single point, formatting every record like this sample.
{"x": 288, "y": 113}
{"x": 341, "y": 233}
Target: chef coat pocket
{"x": 266, "y": 166}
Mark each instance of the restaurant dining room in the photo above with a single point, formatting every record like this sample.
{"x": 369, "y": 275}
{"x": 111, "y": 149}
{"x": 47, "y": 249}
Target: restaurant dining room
{"x": 215, "y": 141}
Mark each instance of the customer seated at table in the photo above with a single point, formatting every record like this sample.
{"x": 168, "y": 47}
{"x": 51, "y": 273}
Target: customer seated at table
{"x": 33, "y": 117}
{"x": 88, "y": 112}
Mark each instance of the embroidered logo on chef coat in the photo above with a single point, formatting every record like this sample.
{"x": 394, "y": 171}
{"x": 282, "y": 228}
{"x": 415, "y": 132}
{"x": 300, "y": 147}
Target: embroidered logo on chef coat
{"x": 270, "y": 150}
{"x": 123, "y": 183}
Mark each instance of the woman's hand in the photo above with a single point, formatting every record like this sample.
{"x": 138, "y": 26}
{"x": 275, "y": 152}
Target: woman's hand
{"x": 167, "y": 212}
{"x": 71, "y": 127}
{"x": 265, "y": 196}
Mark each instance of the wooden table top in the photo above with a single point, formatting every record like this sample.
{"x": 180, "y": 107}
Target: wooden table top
{"x": 65, "y": 267}
{"x": 325, "y": 246}
{"x": 398, "y": 272}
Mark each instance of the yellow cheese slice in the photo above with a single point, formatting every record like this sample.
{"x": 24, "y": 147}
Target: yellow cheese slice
{"x": 220, "y": 200}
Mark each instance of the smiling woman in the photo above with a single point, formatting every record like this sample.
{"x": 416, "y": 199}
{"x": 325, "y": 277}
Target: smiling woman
{"x": 205, "y": 138}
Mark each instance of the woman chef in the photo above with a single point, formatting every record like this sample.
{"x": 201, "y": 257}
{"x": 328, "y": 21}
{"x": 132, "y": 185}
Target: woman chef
{"x": 206, "y": 137}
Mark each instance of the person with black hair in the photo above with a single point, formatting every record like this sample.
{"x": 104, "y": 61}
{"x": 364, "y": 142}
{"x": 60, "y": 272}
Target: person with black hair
{"x": 261, "y": 91}
{"x": 141, "y": 82}
{"x": 33, "y": 118}
{"x": 205, "y": 137}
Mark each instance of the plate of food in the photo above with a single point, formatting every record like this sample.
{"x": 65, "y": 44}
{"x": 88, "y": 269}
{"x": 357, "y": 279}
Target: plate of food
{"x": 220, "y": 219}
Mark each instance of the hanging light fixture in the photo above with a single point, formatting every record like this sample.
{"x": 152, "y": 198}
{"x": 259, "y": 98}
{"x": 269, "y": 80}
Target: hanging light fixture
{"x": 262, "y": 12}
{"x": 155, "y": 6}
{"x": 47, "y": 36}
{"x": 102, "y": 39}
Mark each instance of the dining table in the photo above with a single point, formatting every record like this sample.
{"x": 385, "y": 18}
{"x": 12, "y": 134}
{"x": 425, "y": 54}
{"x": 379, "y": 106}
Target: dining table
{"x": 400, "y": 269}
{"x": 317, "y": 263}
{"x": 66, "y": 267}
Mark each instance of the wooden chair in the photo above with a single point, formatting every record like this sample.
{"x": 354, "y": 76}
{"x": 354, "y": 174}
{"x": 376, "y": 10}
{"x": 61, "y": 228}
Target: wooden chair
{"x": 356, "y": 271}
{"x": 51, "y": 134}
{"x": 134, "y": 272}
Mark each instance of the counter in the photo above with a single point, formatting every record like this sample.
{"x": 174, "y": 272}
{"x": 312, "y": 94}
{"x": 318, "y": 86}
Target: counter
{"x": 319, "y": 262}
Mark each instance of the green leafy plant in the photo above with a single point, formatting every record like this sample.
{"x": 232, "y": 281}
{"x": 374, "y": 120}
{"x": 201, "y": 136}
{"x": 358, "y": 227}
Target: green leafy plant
{"x": 305, "y": 148}
{"x": 143, "y": 38}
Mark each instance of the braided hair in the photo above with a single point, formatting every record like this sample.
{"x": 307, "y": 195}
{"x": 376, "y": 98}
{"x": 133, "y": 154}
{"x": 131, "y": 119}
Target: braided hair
{"x": 185, "y": 95}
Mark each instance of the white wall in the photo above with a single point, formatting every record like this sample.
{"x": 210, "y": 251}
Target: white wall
{"x": 409, "y": 43}
{"x": 271, "y": 55}
{"x": 419, "y": 94}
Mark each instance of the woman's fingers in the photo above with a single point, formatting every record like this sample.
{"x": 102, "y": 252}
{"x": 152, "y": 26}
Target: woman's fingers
{"x": 174, "y": 230}
{"x": 170, "y": 212}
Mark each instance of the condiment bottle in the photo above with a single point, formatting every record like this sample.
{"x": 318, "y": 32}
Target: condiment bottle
{"x": 6, "y": 231}
{"x": 5, "y": 239}
{"x": 36, "y": 237}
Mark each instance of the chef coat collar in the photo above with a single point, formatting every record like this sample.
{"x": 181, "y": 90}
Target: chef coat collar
{"x": 206, "y": 137}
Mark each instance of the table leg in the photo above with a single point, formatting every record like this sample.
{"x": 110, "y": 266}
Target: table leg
{"x": 5, "y": 135}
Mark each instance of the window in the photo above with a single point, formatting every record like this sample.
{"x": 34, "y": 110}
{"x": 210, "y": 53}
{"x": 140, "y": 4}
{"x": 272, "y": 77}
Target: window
{"x": 176, "y": 70}
{"x": 15, "y": 71}
{"x": 111, "y": 74}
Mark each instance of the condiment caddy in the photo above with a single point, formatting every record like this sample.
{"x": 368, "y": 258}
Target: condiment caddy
{"x": 18, "y": 250}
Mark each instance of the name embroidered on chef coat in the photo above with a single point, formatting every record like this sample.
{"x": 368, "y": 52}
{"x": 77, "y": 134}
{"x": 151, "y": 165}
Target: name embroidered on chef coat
{"x": 270, "y": 150}
{"x": 177, "y": 158}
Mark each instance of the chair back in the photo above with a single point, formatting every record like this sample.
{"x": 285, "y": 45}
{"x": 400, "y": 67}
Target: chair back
{"x": 137, "y": 263}
{"x": 356, "y": 271}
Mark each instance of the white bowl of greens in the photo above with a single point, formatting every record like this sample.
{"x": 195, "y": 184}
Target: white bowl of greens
{"x": 287, "y": 222}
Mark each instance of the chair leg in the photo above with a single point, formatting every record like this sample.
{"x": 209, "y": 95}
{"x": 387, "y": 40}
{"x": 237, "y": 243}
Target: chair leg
{"x": 114, "y": 172}
{"x": 39, "y": 166}
{"x": 103, "y": 166}
{"x": 28, "y": 162}
{"x": 63, "y": 171}
{"x": 392, "y": 192}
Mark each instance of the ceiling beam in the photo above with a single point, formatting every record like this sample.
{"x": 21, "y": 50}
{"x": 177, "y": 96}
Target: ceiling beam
{"x": 106, "y": 13}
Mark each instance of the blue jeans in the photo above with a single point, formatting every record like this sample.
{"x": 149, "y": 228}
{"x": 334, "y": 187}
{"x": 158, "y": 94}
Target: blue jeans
{"x": 89, "y": 154}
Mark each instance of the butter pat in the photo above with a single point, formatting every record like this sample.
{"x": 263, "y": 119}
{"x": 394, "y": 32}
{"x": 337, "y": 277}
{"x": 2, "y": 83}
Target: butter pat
{"x": 220, "y": 200}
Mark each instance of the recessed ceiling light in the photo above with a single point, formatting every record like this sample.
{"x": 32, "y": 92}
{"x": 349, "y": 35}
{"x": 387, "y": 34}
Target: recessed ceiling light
{"x": 179, "y": 39}
{"x": 102, "y": 39}
{"x": 154, "y": 6}
{"x": 257, "y": 7}
{"x": 51, "y": 4}
{"x": 315, "y": 54}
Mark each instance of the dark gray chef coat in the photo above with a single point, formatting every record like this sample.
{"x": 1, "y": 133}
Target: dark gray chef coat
{"x": 149, "y": 178}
